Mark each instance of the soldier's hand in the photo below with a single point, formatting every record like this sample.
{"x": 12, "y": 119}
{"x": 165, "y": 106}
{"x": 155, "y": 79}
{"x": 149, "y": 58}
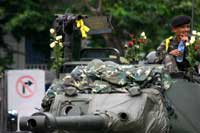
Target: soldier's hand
{"x": 175, "y": 52}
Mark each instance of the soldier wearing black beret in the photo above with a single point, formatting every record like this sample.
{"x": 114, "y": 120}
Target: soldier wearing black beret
{"x": 180, "y": 20}
{"x": 169, "y": 52}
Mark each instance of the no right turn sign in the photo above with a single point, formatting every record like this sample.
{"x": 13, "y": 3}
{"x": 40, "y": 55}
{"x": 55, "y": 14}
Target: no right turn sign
{"x": 26, "y": 89}
{"x": 26, "y": 86}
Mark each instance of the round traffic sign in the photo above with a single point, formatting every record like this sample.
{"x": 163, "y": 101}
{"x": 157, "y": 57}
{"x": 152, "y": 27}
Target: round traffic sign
{"x": 26, "y": 86}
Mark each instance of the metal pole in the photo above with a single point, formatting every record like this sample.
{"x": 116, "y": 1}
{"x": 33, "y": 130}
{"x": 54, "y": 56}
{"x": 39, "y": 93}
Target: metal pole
{"x": 3, "y": 102}
{"x": 1, "y": 105}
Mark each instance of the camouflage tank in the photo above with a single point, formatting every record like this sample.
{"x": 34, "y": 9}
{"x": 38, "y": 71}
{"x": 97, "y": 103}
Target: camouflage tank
{"x": 107, "y": 97}
{"x": 104, "y": 97}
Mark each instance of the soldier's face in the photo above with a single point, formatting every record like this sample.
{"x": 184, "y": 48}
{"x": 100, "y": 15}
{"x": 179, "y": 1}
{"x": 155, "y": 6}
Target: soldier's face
{"x": 182, "y": 30}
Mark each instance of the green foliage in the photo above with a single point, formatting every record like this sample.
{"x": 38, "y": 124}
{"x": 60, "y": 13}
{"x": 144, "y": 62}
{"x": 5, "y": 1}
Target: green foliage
{"x": 57, "y": 58}
{"x": 5, "y": 60}
{"x": 5, "y": 55}
{"x": 137, "y": 16}
{"x": 33, "y": 18}
{"x": 25, "y": 18}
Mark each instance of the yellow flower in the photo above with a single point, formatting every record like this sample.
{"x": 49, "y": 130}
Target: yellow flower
{"x": 58, "y": 37}
{"x": 53, "y": 44}
{"x": 52, "y": 31}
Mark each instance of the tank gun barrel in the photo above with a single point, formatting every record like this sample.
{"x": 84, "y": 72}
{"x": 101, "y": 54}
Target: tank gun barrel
{"x": 46, "y": 122}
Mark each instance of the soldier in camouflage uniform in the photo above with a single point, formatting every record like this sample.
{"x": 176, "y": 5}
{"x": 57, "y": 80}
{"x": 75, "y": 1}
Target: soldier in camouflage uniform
{"x": 168, "y": 51}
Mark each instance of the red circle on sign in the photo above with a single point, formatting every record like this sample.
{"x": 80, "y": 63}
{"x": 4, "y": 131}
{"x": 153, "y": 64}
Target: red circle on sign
{"x": 21, "y": 85}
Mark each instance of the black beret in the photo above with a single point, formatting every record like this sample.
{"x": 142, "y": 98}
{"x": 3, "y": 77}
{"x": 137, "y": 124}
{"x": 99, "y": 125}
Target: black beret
{"x": 180, "y": 20}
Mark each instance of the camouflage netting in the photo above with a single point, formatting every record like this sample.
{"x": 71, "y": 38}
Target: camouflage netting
{"x": 103, "y": 77}
{"x": 113, "y": 88}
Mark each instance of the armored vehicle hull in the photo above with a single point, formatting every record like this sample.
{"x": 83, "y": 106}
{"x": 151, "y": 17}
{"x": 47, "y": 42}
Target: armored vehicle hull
{"x": 111, "y": 98}
{"x": 104, "y": 97}
{"x": 114, "y": 113}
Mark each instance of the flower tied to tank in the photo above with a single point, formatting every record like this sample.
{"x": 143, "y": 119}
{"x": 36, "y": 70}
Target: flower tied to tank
{"x": 83, "y": 28}
{"x": 193, "y": 46}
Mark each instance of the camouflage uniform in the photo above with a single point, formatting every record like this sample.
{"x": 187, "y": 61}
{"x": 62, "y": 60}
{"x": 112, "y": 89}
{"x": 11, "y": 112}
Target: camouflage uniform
{"x": 168, "y": 60}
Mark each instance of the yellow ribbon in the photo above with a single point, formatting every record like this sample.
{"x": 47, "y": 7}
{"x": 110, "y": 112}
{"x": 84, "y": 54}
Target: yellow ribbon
{"x": 83, "y": 28}
{"x": 167, "y": 41}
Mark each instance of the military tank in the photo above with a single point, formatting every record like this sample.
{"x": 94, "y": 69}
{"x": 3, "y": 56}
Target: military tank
{"x": 104, "y": 97}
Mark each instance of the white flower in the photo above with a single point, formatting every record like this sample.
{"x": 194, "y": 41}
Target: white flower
{"x": 143, "y": 34}
{"x": 192, "y": 40}
{"x": 144, "y": 37}
{"x": 194, "y": 32}
{"x": 187, "y": 43}
{"x": 61, "y": 44}
{"x": 53, "y": 44}
{"x": 198, "y": 33}
{"x": 58, "y": 37}
{"x": 125, "y": 46}
{"x": 137, "y": 46}
{"x": 52, "y": 31}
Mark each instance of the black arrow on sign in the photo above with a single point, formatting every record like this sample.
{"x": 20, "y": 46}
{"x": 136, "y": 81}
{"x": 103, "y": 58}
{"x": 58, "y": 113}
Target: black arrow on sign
{"x": 29, "y": 83}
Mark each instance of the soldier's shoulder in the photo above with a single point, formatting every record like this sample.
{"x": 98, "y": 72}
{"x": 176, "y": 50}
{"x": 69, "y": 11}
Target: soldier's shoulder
{"x": 169, "y": 38}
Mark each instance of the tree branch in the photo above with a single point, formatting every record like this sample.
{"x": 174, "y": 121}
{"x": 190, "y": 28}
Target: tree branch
{"x": 92, "y": 9}
{"x": 99, "y": 5}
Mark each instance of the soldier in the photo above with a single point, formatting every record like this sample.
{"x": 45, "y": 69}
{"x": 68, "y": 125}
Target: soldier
{"x": 172, "y": 51}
